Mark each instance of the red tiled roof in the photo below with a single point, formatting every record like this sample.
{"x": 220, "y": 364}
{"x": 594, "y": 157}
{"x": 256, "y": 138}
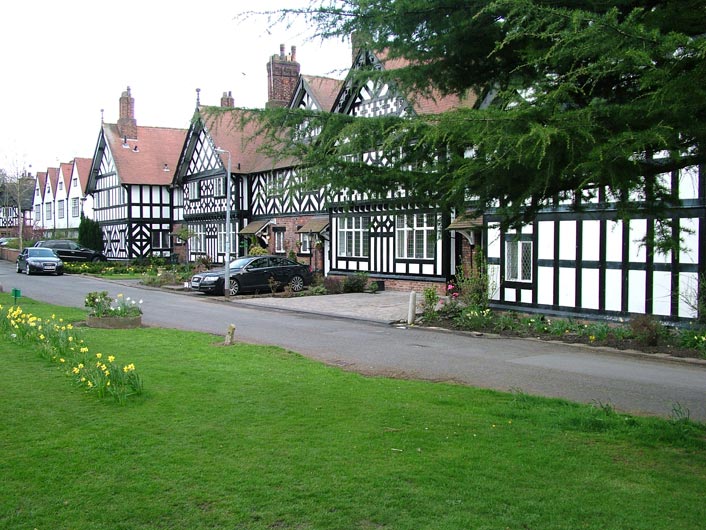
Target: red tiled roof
{"x": 227, "y": 133}
{"x": 53, "y": 176}
{"x": 42, "y": 180}
{"x": 324, "y": 89}
{"x": 434, "y": 103}
{"x": 83, "y": 167}
{"x": 66, "y": 169}
{"x": 143, "y": 160}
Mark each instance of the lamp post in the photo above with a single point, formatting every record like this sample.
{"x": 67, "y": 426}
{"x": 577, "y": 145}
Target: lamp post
{"x": 226, "y": 280}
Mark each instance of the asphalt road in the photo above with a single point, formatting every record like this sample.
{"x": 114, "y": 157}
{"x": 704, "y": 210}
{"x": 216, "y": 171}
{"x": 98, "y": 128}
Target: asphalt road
{"x": 636, "y": 384}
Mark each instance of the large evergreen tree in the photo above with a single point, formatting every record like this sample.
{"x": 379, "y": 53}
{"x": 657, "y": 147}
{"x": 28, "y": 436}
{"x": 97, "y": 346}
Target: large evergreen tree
{"x": 569, "y": 95}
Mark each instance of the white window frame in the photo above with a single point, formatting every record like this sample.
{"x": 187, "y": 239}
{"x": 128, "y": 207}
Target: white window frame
{"x": 219, "y": 189}
{"x": 194, "y": 189}
{"x": 161, "y": 239}
{"x": 48, "y": 211}
{"x": 61, "y": 208}
{"x": 354, "y": 236}
{"x": 415, "y": 236}
{"x": 305, "y": 243}
{"x": 279, "y": 241}
{"x": 517, "y": 252}
{"x": 74, "y": 207}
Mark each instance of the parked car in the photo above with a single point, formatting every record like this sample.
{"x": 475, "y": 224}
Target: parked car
{"x": 71, "y": 251}
{"x": 37, "y": 259}
{"x": 254, "y": 273}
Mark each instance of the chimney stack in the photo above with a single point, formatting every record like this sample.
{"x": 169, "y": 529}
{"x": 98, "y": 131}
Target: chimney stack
{"x": 127, "y": 124}
{"x": 282, "y": 78}
{"x": 227, "y": 100}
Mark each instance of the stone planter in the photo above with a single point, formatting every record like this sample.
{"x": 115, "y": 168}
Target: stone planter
{"x": 114, "y": 322}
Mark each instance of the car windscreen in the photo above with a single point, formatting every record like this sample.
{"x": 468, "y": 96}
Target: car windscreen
{"x": 240, "y": 263}
{"x": 40, "y": 252}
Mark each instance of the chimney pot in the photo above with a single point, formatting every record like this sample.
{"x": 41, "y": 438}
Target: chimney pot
{"x": 294, "y": 54}
{"x": 281, "y": 52}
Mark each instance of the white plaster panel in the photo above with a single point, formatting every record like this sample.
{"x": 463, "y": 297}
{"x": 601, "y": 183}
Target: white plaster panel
{"x": 494, "y": 276}
{"x": 567, "y": 286}
{"x": 527, "y": 229}
{"x": 165, "y": 212}
{"x": 510, "y": 295}
{"x": 688, "y": 285}
{"x": 662, "y": 257}
{"x": 636, "y": 249}
{"x": 591, "y": 239}
{"x": 567, "y": 240}
{"x": 363, "y": 266}
{"x": 135, "y": 212}
{"x": 414, "y": 268}
{"x": 613, "y": 289}
{"x": 400, "y": 268}
{"x": 589, "y": 288}
{"x": 661, "y": 292}
{"x": 689, "y": 183}
{"x": 545, "y": 236}
{"x": 526, "y": 296}
{"x": 614, "y": 241}
{"x": 690, "y": 247}
{"x": 636, "y": 291}
{"x": 545, "y": 285}
{"x": 493, "y": 245}
{"x": 427, "y": 268}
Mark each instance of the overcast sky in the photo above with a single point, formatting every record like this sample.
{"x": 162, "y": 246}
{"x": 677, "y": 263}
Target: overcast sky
{"x": 62, "y": 61}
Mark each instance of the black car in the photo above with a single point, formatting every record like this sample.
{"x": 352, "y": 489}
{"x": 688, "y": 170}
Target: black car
{"x": 34, "y": 259}
{"x": 71, "y": 251}
{"x": 254, "y": 273}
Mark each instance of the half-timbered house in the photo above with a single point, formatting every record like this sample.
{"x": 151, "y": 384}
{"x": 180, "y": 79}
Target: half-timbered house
{"x": 130, "y": 179}
{"x": 581, "y": 257}
{"x": 267, "y": 208}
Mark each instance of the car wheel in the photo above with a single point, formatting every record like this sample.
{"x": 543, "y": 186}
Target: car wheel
{"x": 27, "y": 270}
{"x": 234, "y": 287}
{"x": 59, "y": 273}
{"x": 296, "y": 283}
{"x": 95, "y": 259}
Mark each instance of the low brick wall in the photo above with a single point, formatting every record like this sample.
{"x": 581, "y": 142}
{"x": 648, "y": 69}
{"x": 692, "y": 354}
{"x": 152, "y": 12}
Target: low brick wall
{"x": 9, "y": 254}
{"x": 403, "y": 285}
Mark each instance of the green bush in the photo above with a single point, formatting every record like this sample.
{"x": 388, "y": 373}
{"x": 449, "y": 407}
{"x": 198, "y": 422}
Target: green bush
{"x": 90, "y": 234}
{"x": 333, "y": 285}
{"x": 355, "y": 283}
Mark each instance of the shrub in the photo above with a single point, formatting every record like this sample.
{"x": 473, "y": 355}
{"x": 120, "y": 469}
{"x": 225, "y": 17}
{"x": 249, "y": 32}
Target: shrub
{"x": 101, "y": 305}
{"x": 355, "y": 283}
{"x": 647, "y": 330}
{"x": 333, "y": 285}
{"x": 474, "y": 318}
{"x": 431, "y": 300}
{"x": 257, "y": 251}
{"x": 90, "y": 234}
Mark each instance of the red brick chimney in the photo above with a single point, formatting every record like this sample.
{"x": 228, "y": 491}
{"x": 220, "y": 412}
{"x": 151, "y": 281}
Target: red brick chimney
{"x": 282, "y": 77}
{"x": 227, "y": 100}
{"x": 127, "y": 124}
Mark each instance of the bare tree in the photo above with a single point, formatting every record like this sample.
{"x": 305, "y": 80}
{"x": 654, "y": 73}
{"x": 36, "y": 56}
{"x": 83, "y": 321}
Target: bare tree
{"x": 16, "y": 197}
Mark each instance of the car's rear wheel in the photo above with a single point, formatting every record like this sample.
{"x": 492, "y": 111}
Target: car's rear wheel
{"x": 234, "y": 287}
{"x": 296, "y": 283}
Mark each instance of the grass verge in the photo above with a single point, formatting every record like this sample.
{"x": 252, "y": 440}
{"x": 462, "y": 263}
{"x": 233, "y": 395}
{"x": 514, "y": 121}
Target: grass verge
{"x": 258, "y": 437}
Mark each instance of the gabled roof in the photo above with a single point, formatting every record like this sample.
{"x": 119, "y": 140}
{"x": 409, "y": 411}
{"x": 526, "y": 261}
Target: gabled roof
{"x": 83, "y": 167}
{"x": 41, "y": 181}
{"x": 52, "y": 178}
{"x": 422, "y": 104}
{"x": 143, "y": 161}
{"x": 225, "y": 128}
{"x": 66, "y": 169}
{"x": 323, "y": 89}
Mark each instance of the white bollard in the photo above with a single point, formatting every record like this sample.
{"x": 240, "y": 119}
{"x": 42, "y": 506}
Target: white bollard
{"x": 412, "y": 309}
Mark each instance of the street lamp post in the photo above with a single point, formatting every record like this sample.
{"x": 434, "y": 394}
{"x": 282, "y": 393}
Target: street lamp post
{"x": 226, "y": 286}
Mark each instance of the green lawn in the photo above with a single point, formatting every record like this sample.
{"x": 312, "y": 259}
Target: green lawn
{"x": 250, "y": 437}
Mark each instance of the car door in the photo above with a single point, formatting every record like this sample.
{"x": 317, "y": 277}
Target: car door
{"x": 281, "y": 270}
{"x": 256, "y": 275}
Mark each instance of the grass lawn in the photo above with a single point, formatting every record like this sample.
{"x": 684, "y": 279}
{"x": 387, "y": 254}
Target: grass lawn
{"x": 252, "y": 437}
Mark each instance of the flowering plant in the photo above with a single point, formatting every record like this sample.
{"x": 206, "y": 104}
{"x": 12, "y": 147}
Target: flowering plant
{"x": 101, "y": 305}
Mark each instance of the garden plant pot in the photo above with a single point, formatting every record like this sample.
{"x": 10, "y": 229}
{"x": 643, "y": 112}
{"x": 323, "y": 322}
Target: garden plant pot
{"x": 114, "y": 322}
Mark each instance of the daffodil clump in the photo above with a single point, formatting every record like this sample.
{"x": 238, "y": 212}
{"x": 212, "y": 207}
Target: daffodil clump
{"x": 60, "y": 343}
{"x": 102, "y": 305}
